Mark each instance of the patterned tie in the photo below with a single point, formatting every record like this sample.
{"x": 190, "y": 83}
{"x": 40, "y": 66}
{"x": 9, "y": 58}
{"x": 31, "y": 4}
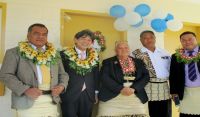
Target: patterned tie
{"x": 40, "y": 50}
{"x": 45, "y": 71}
{"x": 191, "y": 69}
{"x": 45, "y": 74}
{"x": 82, "y": 55}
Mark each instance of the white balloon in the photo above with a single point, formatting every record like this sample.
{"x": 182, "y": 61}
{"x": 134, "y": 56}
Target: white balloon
{"x": 174, "y": 25}
{"x": 146, "y": 23}
{"x": 132, "y": 18}
{"x": 160, "y": 14}
{"x": 120, "y": 24}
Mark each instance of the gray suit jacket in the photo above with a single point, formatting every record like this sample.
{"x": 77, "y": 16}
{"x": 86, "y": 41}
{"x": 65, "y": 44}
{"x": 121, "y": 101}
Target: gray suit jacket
{"x": 19, "y": 74}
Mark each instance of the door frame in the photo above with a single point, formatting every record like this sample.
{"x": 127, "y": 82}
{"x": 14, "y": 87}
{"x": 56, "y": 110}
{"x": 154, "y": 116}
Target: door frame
{"x": 3, "y": 30}
{"x": 62, "y": 20}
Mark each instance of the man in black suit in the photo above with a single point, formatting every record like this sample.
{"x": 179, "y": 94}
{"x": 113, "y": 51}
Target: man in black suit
{"x": 184, "y": 76}
{"x": 81, "y": 63}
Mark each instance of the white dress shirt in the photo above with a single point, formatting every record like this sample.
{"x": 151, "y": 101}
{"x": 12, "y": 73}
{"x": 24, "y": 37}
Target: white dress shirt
{"x": 39, "y": 72}
{"x": 81, "y": 55}
{"x": 79, "y": 52}
{"x": 161, "y": 62}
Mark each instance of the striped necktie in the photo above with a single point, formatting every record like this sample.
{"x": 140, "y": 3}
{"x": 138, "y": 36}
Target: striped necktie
{"x": 191, "y": 69}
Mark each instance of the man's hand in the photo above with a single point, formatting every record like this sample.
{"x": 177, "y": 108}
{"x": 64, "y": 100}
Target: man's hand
{"x": 57, "y": 90}
{"x": 174, "y": 95}
{"x": 175, "y": 98}
{"x": 127, "y": 91}
{"x": 33, "y": 93}
{"x": 132, "y": 90}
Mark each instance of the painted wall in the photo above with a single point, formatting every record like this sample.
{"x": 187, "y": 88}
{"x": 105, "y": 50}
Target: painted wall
{"x": 22, "y": 13}
{"x": 0, "y": 23}
{"x": 172, "y": 40}
{"x": 5, "y": 100}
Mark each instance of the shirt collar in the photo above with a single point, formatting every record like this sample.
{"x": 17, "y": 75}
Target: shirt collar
{"x": 196, "y": 49}
{"x": 79, "y": 51}
{"x": 35, "y": 48}
{"x": 144, "y": 49}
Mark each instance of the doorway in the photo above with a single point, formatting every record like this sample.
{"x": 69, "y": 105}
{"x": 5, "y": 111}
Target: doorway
{"x": 73, "y": 21}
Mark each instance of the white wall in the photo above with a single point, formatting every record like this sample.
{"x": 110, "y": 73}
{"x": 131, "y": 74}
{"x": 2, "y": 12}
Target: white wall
{"x": 133, "y": 36}
{"x": 22, "y": 13}
{"x": 5, "y": 100}
{"x": 0, "y": 23}
{"x": 5, "y": 110}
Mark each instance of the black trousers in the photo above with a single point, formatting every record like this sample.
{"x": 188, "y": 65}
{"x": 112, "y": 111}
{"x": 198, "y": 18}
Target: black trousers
{"x": 160, "y": 108}
{"x": 186, "y": 115}
{"x": 82, "y": 107}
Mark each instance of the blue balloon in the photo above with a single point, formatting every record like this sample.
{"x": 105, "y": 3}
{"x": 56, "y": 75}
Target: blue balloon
{"x": 117, "y": 11}
{"x": 169, "y": 17}
{"x": 159, "y": 25}
{"x": 138, "y": 24}
{"x": 142, "y": 9}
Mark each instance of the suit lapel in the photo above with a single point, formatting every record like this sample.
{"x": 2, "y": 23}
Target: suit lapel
{"x": 117, "y": 68}
{"x": 198, "y": 63}
{"x": 182, "y": 70}
{"x": 137, "y": 68}
{"x": 52, "y": 70}
{"x": 198, "y": 66}
{"x": 33, "y": 67}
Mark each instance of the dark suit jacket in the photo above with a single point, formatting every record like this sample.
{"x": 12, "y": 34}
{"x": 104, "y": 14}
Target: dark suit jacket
{"x": 76, "y": 82}
{"x": 177, "y": 77}
{"x": 112, "y": 79}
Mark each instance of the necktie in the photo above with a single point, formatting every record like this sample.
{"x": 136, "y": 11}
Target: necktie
{"x": 82, "y": 58}
{"x": 191, "y": 69}
{"x": 45, "y": 74}
{"x": 82, "y": 55}
{"x": 40, "y": 50}
{"x": 45, "y": 71}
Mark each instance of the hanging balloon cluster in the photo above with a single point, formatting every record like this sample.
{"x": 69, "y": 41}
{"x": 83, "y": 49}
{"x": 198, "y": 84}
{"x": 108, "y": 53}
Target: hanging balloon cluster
{"x": 135, "y": 19}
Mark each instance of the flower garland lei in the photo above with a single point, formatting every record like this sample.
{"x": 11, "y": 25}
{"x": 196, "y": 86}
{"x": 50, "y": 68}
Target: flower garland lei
{"x": 82, "y": 67}
{"x": 181, "y": 57}
{"x": 48, "y": 57}
{"x": 99, "y": 39}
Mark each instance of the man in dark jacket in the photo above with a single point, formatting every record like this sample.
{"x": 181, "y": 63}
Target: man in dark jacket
{"x": 184, "y": 75}
{"x": 81, "y": 63}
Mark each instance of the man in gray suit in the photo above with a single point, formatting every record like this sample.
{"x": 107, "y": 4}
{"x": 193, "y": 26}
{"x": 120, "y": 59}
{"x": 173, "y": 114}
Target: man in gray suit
{"x": 34, "y": 73}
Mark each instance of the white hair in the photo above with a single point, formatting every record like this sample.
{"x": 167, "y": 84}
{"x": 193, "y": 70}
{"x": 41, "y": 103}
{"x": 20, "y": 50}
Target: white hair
{"x": 117, "y": 43}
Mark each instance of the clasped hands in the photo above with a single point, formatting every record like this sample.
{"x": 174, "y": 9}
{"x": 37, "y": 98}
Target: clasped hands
{"x": 34, "y": 93}
{"x": 127, "y": 91}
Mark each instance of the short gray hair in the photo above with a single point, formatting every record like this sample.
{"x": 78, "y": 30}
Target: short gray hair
{"x": 120, "y": 42}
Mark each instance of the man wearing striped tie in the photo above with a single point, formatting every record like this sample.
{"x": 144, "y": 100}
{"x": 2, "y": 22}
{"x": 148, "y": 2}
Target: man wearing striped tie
{"x": 185, "y": 77}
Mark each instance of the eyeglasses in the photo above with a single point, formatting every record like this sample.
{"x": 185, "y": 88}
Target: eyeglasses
{"x": 39, "y": 34}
